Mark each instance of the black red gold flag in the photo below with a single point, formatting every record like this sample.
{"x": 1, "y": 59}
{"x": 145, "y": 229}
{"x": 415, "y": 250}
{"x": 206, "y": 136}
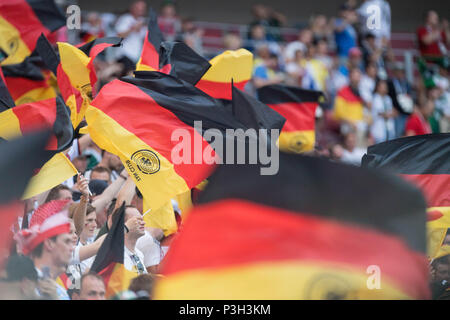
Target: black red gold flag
{"x": 21, "y": 24}
{"x": 424, "y": 161}
{"x": 315, "y": 230}
{"x": 298, "y": 106}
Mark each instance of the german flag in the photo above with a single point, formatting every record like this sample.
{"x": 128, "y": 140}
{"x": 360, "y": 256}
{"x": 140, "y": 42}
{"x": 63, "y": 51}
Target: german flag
{"x": 300, "y": 234}
{"x": 149, "y": 60}
{"x": 19, "y": 158}
{"x": 6, "y": 101}
{"x": 253, "y": 113}
{"x": 174, "y": 58}
{"x": 51, "y": 114}
{"x": 298, "y": 106}
{"x": 109, "y": 261}
{"x": 162, "y": 218}
{"x": 21, "y": 24}
{"x": 75, "y": 71}
{"x": 27, "y": 83}
{"x": 424, "y": 161}
{"x": 230, "y": 66}
{"x": 348, "y": 105}
{"x": 136, "y": 119}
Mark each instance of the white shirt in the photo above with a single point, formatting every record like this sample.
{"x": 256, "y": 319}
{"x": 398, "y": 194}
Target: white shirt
{"x": 354, "y": 157}
{"x": 132, "y": 44}
{"x": 151, "y": 249}
{"x": 382, "y": 129}
{"x": 366, "y": 87}
{"x": 128, "y": 262}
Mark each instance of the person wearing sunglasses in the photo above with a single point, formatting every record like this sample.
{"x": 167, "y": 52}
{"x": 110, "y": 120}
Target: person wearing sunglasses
{"x": 133, "y": 257}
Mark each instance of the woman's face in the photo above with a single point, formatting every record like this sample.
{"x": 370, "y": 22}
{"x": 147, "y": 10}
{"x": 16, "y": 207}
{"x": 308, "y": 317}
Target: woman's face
{"x": 73, "y": 233}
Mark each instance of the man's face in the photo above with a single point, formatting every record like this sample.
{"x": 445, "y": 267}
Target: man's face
{"x": 61, "y": 249}
{"x": 92, "y": 289}
{"x": 139, "y": 229}
{"x": 442, "y": 272}
{"x": 100, "y": 176}
{"x": 90, "y": 224}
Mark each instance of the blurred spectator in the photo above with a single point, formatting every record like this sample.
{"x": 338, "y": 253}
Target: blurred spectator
{"x": 433, "y": 38}
{"x": 304, "y": 40}
{"x": 142, "y": 285}
{"x": 232, "y": 41}
{"x": 133, "y": 28}
{"x": 258, "y": 38}
{"x": 367, "y": 84}
{"x": 111, "y": 162}
{"x": 101, "y": 173}
{"x": 92, "y": 28}
{"x": 344, "y": 32}
{"x": 322, "y": 30}
{"x": 369, "y": 17}
{"x": 383, "y": 127}
{"x": 268, "y": 72}
{"x": 417, "y": 122}
{"x": 400, "y": 93}
{"x": 352, "y": 154}
{"x": 316, "y": 68}
{"x": 191, "y": 35}
{"x": 296, "y": 70}
{"x": 21, "y": 270}
{"x": 168, "y": 21}
{"x": 269, "y": 19}
{"x": 354, "y": 61}
{"x": 322, "y": 53}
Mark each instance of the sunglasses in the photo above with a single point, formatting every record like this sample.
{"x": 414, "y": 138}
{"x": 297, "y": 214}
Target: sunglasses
{"x": 137, "y": 262}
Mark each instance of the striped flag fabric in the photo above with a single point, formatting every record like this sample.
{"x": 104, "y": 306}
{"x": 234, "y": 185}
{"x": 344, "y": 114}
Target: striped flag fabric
{"x": 300, "y": 234}
{"x": 135, "y": 119}
{"x": 50, "y": 114}
{"x": 298, "y": 106}
{"x": 424, "y": 161}
{"x": 174, "y": 58}
{"x": 21, "y": 24}
{"x": 348, "y": 105}
{"x": 27, "y": 83}
{"x": 228, "y": 67}
{"x": 109, "y": 261}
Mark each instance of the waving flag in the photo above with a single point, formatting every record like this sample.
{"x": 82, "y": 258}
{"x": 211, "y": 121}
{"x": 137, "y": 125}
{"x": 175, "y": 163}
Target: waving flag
{"x": 135, "y": 119}
{"x": 298, "y": 106}
{"x": 75, "y": 71}
{"x": 51, "y": 114}
{"x": 27, "y": 83}
{"x": 348, "y": 105}
{"x": 300, "y": 234}
{"x": 230, "y": 66}
{"x": 149, "y": 60}
{"x": 109, "y": 261}
{"x": 424, "y": 161}
{"x": 21, "y": 24}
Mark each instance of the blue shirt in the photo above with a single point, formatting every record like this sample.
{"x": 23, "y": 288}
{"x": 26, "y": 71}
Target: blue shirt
{"x": 346, "y": 39}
